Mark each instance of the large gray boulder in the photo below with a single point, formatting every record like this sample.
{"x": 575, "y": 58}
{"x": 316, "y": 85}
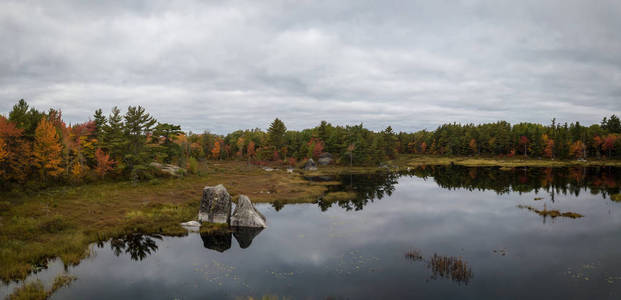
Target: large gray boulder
{"x": 325, "y": 159}
{"x": 246, "y": 215}
{"x": 310, "y": 165}
{"x": 215, "y": 205}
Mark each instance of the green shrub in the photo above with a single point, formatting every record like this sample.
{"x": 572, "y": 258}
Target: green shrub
{"x": 193, "y": 165}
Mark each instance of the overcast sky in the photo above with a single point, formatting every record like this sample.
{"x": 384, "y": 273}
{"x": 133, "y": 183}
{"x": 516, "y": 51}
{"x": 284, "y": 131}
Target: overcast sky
{"x": 227, "y": 65}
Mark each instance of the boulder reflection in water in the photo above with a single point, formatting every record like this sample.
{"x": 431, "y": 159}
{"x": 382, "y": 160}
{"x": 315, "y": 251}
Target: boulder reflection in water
{"x": 221, "y": 241}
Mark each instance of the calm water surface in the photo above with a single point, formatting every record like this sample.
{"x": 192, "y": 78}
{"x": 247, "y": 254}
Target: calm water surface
{"x": 468, "y": 230}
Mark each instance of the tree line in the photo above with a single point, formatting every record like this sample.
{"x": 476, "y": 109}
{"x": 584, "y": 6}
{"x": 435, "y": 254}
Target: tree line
{"x": 39, "y": 148}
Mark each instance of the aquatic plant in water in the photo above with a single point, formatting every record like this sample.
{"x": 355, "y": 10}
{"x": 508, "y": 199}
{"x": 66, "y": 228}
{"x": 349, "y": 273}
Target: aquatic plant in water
{"x": 551, "y": 213}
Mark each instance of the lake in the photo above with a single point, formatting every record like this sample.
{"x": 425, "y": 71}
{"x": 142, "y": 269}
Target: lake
{"x": 429, "y": 232}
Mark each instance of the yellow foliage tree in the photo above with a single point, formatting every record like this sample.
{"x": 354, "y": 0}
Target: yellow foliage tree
{"x": 46, "y": 152}
{"x": 76, "y": 171}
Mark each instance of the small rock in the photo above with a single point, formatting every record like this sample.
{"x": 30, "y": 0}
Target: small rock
{"x": 325, "y": 159}
{"x": 310, "y": 165}
{"x": 191, "y": 224}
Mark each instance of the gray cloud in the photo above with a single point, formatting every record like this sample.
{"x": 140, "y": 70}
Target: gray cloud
{"x": 226, "y": 65}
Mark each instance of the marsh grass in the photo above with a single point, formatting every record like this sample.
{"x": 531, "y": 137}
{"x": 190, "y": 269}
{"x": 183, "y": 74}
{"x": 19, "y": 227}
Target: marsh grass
{"x": 504, "y": 163}
{"x": 450, "y": 267}
{"x": 36, "y": 290}
{"x": 454, "y": 268}
{"x": 414, "y": 255}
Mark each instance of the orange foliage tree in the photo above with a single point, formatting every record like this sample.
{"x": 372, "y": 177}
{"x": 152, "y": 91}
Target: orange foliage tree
{"x": 240, "y": 147}
{"x": 15, "y": 165}
{"x": 473, "y": 146}
{"x": 46, "y": 154}
{"x": 215, "y": 150}
{"x": 250, "y": 150}
{"x": 548, "y": 149}
{"x": 3, "y": 151}
{"x": 576, "y": 149}
{"x": 104, "y": 163}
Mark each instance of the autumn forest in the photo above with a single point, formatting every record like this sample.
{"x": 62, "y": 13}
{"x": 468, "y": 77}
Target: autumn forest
{"x": 39, "y": 149}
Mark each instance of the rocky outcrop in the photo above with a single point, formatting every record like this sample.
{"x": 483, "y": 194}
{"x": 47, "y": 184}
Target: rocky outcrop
{"x": 310, "y": 165}
{"x": 325, "y": 159}
{"x": 215, "y": 205}
{"x": 168, "y": 169}
{"x": 246, "y": 215}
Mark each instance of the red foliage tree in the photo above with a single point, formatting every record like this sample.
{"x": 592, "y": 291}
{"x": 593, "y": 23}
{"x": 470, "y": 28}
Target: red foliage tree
{"x": 104, "y": 163}
{"x": 609, "y": 144}
{"x": 316, "y": 146}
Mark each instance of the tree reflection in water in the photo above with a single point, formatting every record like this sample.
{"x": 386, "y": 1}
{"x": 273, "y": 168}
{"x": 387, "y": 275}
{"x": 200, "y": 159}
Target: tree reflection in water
{"x": 138, "y": 246}
{"x": 366, "y": 187}
{"x": 567, "y": 180}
